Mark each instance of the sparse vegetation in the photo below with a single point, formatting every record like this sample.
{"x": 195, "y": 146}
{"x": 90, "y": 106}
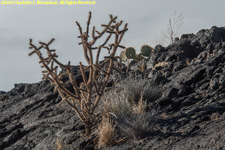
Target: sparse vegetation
{"x": 127, "y": 103}
{"x": 125, "y": 109}
{"x": 113, "y": 111}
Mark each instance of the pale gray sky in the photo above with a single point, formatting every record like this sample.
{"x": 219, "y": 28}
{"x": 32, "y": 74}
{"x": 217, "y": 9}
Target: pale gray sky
{"x": 146, "y": 20}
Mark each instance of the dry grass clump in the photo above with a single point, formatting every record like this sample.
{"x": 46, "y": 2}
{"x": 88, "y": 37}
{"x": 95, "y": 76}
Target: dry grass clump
{"x": 128, "y": 103}
{"x": 139, "y": 126}
{"x": 161, "y": 64}
{"x": 107, "y": 133}
{"x": 118, "y": 104}
{"x": 126, "y": 99}
{"x": 58, "y": 143}
{"x": 140, "y": 107}
{"x": 133, "y": 88}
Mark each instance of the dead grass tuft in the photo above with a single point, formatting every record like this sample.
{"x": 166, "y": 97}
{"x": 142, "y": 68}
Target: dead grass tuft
{"x": 58, "y": 143}
{"x": 118, "y": 105}
{"x": 127, "y": 98}
{"x": 107, "y": 134}
{"x": 139, "y": 126}
{"x": 161, "y": 64}
{"x": 140, "y": 107}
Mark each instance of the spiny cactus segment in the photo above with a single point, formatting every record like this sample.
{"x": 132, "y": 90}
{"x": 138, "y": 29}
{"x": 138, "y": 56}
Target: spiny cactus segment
{"x": 130, "y": 53}
{"x": 146, "y": 50}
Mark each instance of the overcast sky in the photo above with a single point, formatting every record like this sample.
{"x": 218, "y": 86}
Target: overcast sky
{"x": 146, "y": 19}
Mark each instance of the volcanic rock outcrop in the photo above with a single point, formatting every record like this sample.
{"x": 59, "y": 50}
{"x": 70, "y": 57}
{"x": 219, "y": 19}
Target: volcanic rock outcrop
{"x": 190, "y": 75}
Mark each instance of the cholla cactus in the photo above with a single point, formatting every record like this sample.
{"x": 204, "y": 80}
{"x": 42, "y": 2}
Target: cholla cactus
{"x": 84, "y": 98}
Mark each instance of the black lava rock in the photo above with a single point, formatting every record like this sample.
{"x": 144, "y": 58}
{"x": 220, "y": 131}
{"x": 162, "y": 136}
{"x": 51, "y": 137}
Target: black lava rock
{"x": 187, "y": 88}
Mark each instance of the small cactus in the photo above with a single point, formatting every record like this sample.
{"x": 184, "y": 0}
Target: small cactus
{"x": 146, "y": 50}
{"x": 130, "y": 53}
